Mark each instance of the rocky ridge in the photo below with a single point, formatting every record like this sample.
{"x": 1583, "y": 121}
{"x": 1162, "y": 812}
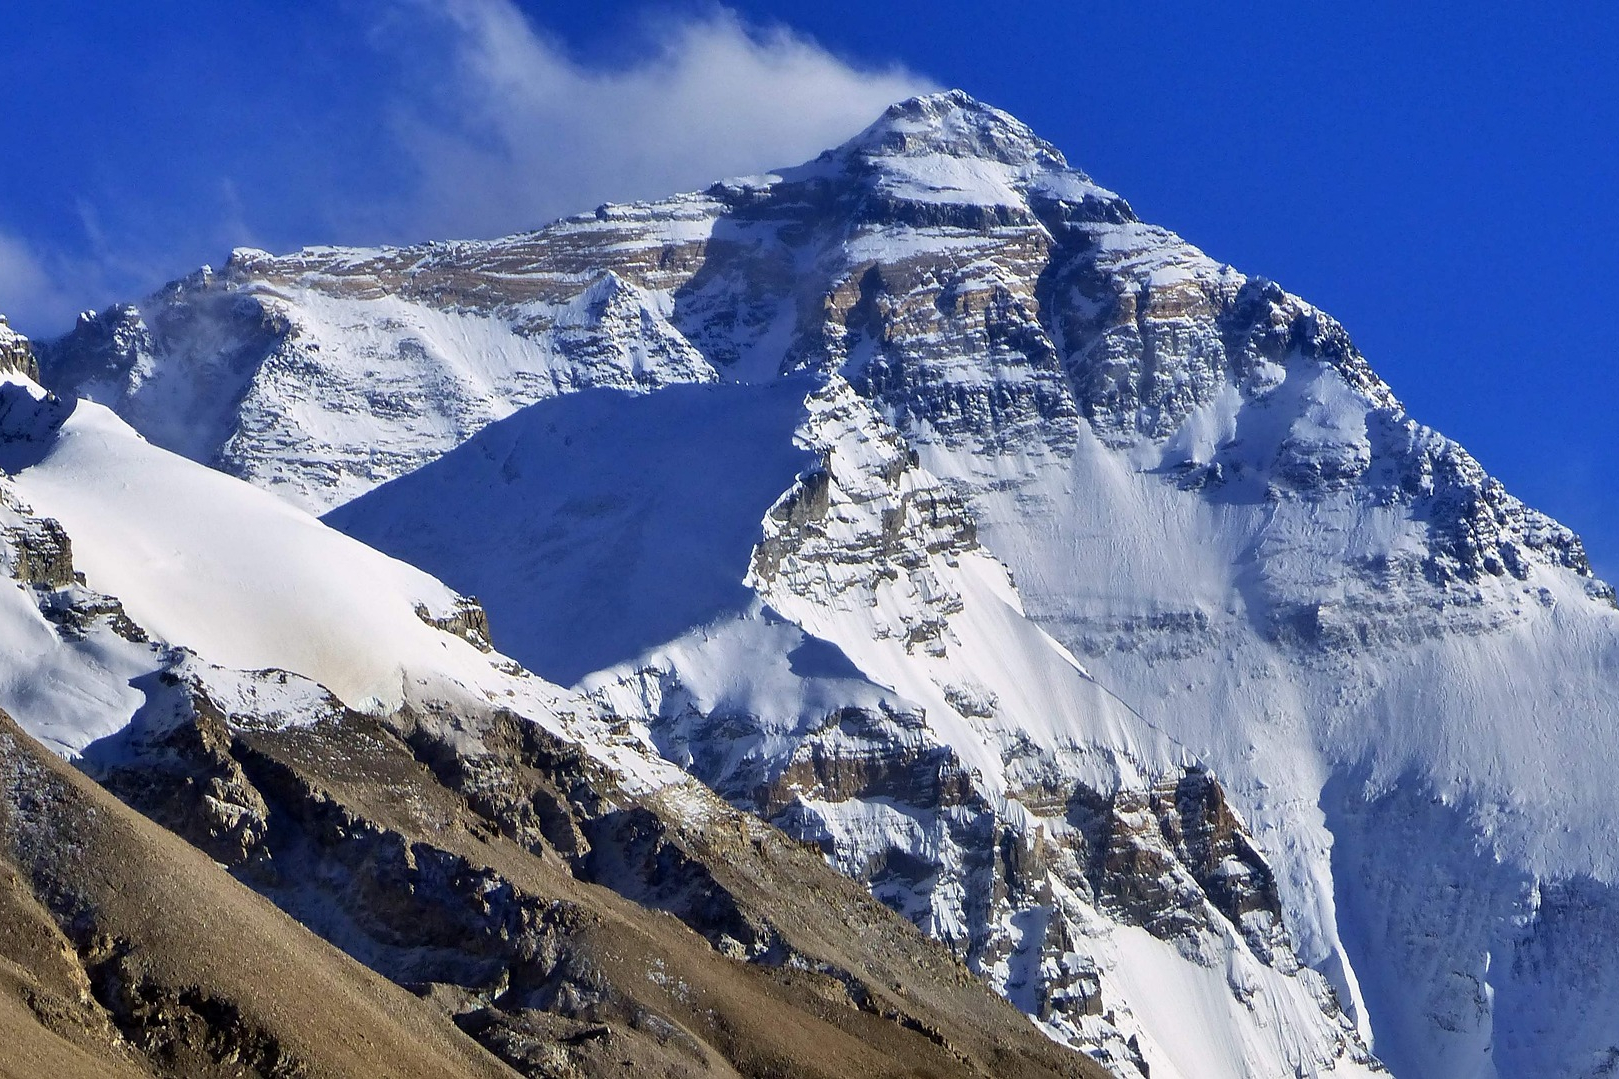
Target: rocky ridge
{"x": 16, "y": 353}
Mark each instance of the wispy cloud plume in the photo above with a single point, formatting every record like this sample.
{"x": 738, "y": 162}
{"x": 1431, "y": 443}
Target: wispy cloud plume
{"x": 44, "y": 285}
{"x": 525, "y": 133}
{"x": 31, "y": 292}
{"x": 408, "y": 120}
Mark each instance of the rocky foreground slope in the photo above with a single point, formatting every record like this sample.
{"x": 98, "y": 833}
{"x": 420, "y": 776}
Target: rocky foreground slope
{"x": 1092, "y": 603}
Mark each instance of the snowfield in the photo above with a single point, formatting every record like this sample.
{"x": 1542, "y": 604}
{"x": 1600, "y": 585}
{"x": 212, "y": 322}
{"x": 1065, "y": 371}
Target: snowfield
{"x": 207, "y": 566}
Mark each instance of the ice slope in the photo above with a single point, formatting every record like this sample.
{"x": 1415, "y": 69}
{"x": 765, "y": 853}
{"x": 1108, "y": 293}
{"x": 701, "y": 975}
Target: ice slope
{"x": 1502, "y": 690}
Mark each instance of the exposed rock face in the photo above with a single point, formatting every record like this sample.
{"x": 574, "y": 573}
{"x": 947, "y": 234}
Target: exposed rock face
{"x": 474, "y": 861}
{"x": 16, "y": 354}
{"x": 867, "y": 517}
{"x": 467, "y": 620}
{"x": 128, "y": 953}
{"x": 42, "y": 554}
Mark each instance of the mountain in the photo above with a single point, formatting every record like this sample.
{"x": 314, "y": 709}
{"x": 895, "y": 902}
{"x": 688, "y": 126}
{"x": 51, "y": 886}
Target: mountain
{"x": 349, "y": 838}
{"x": 1093, "y": 604}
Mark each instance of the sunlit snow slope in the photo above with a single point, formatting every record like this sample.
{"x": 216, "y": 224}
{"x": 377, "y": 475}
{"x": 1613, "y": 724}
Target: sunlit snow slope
{"x": 181, "y": 569}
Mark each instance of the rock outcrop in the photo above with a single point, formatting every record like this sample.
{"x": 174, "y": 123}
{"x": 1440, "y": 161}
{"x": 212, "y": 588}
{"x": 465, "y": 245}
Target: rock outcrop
{"x": 16, "y": 354}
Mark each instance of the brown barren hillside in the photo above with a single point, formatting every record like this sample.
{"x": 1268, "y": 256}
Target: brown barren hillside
{"x": 125, "y": 951}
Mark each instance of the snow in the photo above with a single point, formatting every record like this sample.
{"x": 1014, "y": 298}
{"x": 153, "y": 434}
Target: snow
{"x": 212, "y": 564}
{"x": 597, "y": 525}
{"x": 65, "y": 693}
{"x": 1228, "y": 1020}
{"x": 967, "y": 182}
{"x": 254, "y": 586}
{"x": 754, "y": 663}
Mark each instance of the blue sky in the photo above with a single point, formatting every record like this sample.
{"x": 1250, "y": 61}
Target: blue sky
{"x": 1441, "y": 177}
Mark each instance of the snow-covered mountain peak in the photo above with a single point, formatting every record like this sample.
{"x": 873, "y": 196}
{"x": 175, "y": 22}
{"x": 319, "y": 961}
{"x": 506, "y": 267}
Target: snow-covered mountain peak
{"x": 952, "y": 123}
{"x": 926, "y": 358}
{"x": 949, "y": 148}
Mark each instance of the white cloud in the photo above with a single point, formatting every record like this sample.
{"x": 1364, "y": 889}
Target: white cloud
{"x": 517, "y": 132}
{"x": 31, "y": 296}
{"x": 488, "y": 127}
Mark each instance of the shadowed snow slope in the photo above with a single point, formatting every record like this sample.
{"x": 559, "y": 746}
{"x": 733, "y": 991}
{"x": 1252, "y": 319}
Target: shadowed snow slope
{"x": 597, "y": 525}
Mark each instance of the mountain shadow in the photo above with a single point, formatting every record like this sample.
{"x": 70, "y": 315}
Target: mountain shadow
{"x": 596, "y": 525}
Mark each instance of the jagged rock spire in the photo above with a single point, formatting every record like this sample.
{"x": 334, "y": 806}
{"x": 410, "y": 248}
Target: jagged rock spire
{"x": 16, "y": 355}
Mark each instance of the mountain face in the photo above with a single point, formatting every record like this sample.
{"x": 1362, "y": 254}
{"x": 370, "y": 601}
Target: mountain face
{"x": 1093, "y": 605}
{"x": 389, "y": 849}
